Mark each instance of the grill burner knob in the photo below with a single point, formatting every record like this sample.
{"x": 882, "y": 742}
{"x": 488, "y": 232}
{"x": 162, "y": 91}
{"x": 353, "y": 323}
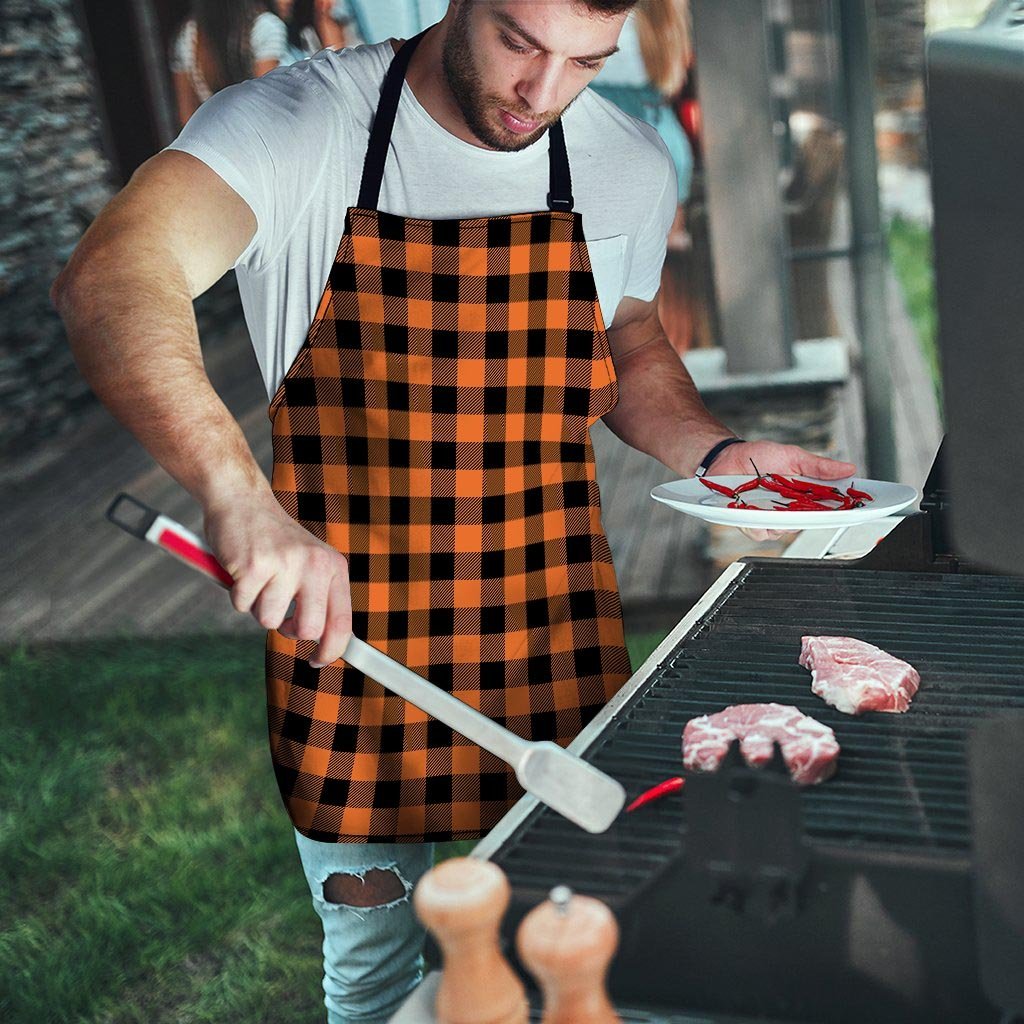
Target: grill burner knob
{"x": 567, "y": 942}
{"x": 462, "y": 901}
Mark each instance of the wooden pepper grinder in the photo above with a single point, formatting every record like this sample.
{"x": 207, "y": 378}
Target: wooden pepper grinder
{"x": 567, "y": 942}
{"x": 462, "y": 901}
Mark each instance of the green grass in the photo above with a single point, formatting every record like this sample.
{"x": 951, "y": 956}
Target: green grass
{"x": 147, "y": 867}
{"x": 150, "y": 873}
{"x": 641, "y": 646}
{"x": 910, "y": 248}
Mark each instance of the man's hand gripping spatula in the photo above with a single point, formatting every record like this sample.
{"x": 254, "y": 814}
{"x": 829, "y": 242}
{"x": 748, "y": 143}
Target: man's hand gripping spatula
{"x": 564, "y": 782}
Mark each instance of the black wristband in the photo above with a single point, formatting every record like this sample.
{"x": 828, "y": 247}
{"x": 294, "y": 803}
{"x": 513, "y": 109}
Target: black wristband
{"x": 705, "y": 463}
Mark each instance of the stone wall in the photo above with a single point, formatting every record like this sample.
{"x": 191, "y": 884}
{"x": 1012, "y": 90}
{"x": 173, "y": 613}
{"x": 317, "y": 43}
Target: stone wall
{"x": 54, "y": 178}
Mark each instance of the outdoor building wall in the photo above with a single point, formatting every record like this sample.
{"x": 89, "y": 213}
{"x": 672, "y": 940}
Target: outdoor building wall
{"x": 54, "y": 178}
{"x": 899, "y": 53}
{"x": 899, "y": 81}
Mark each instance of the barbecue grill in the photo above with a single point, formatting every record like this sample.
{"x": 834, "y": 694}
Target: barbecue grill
{"x": 750, "y": 897}
{"x": 893, "y": 892}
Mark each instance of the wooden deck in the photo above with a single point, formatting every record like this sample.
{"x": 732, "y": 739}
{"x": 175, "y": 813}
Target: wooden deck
{"x": 70, "y": 574}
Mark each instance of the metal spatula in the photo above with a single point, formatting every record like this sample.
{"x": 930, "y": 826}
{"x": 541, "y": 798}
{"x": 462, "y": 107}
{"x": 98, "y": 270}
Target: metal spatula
{"x": 564, "y": 782}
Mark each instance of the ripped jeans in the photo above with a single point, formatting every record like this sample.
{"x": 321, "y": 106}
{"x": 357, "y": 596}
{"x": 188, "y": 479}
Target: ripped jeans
{"x": 373, "y": 943}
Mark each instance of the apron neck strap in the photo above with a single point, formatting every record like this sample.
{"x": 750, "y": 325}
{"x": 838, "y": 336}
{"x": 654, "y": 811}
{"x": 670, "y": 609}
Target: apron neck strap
{"x": 559, "y": 196}
{"x": 383, "y": 122}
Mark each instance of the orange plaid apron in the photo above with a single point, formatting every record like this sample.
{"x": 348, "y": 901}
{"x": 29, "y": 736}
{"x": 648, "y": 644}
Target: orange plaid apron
{"x": 434, "y": 429}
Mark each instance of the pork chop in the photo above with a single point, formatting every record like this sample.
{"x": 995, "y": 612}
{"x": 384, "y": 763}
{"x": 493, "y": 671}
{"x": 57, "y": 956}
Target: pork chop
{"x": 855, "y": 677}
{"x": 809, "y": 748}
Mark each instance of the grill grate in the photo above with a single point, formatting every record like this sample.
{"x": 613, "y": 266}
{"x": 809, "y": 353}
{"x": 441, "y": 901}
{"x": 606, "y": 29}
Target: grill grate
{"x": 902, "y": 779}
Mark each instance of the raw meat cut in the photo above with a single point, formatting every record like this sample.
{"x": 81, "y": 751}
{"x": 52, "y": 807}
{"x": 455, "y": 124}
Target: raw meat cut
{"x": 855, "y": 677}
{"x": 809, "y": 748}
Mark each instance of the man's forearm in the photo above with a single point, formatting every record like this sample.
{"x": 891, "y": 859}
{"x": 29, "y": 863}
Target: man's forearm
{"x": 134, "y": 337}
{"x": 660, "y": 411}
{"x": 126, "y": 299}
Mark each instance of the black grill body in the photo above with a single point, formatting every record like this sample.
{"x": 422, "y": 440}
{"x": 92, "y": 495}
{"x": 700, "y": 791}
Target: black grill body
{"x": 846, "y": 901}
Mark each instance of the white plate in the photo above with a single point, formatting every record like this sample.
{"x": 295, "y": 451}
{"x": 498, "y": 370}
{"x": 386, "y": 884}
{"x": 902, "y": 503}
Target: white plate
{"x": 693, "y": 498}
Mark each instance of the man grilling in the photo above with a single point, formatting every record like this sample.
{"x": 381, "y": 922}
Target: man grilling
{"x": 432, "y": 379}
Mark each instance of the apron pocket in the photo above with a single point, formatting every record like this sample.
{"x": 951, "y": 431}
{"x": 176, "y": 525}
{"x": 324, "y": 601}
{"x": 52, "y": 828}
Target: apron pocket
{"x": 608, "y": 262}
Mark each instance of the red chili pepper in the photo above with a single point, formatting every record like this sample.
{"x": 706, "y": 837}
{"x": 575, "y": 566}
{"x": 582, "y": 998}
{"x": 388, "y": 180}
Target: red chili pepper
{"x": 772, "y": 485}
{"x": 862, "y": 495}
{"x": 807, "y": 487}
{"x": 807, "y": 505}
{"x": 786, "y": 492}
{"x": 720, "y": 488}
{"x": 656, "y": 793}
{"x": 795, "y": 485}
{"x": 738, "y": 503}
{"x": 750, "y": 485}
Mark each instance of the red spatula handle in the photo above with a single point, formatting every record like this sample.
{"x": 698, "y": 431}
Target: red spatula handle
{"x": 147, "y": 524}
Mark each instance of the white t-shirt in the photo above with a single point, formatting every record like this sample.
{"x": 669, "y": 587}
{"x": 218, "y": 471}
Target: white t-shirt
{"x": 292, "y": 144}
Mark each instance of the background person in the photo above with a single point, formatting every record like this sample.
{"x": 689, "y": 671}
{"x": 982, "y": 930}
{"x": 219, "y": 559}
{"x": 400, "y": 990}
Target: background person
{"x": 376, "y": 20}
{"x": 314, "y": 24}
{"x": 648, "y": 73}
{"x": 645, "y": 79}
{"x": 221, "y": 43}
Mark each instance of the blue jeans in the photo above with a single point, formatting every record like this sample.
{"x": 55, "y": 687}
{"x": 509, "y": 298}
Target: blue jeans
{"x": 372, "y": 955}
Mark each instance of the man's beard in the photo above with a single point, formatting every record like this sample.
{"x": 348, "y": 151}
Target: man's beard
{"x": 464, "y": 82}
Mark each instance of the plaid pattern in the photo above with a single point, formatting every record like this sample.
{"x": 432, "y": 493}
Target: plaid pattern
{"x": 435, "y": 430}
